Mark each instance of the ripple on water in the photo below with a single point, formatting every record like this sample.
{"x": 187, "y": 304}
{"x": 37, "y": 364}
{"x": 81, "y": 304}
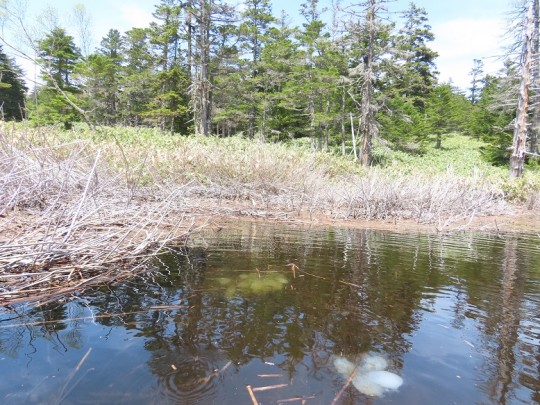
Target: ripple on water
{"x": 190, "y": 380}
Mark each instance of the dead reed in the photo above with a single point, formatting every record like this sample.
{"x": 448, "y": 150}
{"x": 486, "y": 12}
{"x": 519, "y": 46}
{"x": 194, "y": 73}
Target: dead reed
{"x": 68, "y": 222}
{"x": 81, "y": 208}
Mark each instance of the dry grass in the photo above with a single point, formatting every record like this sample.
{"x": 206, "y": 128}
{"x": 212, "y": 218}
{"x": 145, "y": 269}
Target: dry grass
{"x": 81, "y": 208}
{"x": 68, "y": 223}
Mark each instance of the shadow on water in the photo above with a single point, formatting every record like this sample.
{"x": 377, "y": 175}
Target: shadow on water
{"x": 272, "y": 306}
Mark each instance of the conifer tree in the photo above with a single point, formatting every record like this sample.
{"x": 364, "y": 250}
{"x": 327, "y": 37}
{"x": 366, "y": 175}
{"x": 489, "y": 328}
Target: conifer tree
{"x": 416, "y": 74}
{"x": 168, "y": 106}
{"x": 99, "y": 76}
{"x": 139, "y": 61}
{"x": 477, "y": 73}
{"x": 209, "y": 22}
{"x": 12, "y": 89}
{"x": 57, "y": 98}
{"x": 257, "y": 20}
{"x": 408, "y": 82}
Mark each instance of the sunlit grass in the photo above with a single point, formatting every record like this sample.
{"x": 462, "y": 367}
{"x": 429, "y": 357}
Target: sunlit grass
{"x": 288, "y": 175}
{"x": 96, "y": 200}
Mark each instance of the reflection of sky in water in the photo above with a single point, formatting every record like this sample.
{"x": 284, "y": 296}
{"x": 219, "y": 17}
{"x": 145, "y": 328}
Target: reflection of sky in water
{"x": 453, "y": 316}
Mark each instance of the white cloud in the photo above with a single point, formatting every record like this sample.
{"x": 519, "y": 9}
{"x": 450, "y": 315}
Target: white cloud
{"x": 135, "y": 16}
{"x": 460, "y": 41}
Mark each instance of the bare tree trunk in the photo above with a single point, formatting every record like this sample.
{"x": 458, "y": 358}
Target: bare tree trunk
{"x": 189, "y": 27}
{"x": 200, "y": 85}
{"x": 353, "y": 138}
{"x": 83, "y": 113}
{"x": 517, "y": 159}
{"x": 205, "y": 60}
{"x": 367, "y": 124}
{"x": 343, "y": 101}
{"x": 535, "y": 128}
{"x": 501, "y": 380}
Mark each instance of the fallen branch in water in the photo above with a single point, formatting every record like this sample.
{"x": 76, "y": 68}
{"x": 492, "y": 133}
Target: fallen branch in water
{"x": 63, "y": 393}
{"x": 270, "y": 387}
{"x": 345, "y": 386}
{"x": 92, "y": 317}
{"x": 251, "y": 395}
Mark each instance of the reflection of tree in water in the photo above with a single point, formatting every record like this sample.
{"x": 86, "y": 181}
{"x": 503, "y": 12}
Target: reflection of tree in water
{"x": 505, "y": 327}
{"x": 365, "y": 291}
{"x": 357, "y": 297}
{"x": 48, "y": 322}
{"x": 354, "y": 292}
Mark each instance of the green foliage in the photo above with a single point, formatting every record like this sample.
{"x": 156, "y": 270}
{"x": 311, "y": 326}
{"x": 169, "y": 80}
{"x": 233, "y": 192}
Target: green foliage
{"x": 12, "y": 89}
{"x": 521, "y": 189}
{"x": 415, "y": 76}
{"x": 491, "y": 121}
{"x": 246, "y": 72}
{"x": 58, "y": 54}
{"x": 461, "y": 155}
{"x": 52, "y": 108}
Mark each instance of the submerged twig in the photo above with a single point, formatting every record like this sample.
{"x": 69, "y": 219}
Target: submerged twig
{"x": 345, "y": 386}
{"x": 251, "y": 395}
{"x": 63, "y": 392}
{"x": 270, "y": 387}
{"x": 82, "y": 318}
{"x": 295, "y": 399}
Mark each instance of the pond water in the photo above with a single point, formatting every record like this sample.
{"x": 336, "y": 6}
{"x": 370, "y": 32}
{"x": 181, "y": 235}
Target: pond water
{"x": 290, "y": 312}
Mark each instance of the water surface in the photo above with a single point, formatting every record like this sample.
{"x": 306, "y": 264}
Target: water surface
{"x": 455, "y": 316}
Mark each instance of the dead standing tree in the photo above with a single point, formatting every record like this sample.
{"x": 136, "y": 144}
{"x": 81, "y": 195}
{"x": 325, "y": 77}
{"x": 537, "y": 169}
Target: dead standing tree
{"x": 366, "y": 29}
{"x": 517, "y": 158}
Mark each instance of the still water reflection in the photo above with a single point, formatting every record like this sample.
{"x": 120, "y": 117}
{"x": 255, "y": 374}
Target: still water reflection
{"x": 456, "y": 317}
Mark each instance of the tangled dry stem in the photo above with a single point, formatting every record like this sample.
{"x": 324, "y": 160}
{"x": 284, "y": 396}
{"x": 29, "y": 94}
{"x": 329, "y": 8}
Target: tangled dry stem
{"x": 68, "y": 223}
{"x": 75, "y": 214}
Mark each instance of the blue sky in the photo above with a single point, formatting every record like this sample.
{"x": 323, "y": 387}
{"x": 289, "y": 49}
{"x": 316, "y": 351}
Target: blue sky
{"x": 464, "y": 29}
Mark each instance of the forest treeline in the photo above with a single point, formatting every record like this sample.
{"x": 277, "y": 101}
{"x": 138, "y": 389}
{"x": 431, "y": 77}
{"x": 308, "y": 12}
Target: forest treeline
{"x": 343, "y": 79}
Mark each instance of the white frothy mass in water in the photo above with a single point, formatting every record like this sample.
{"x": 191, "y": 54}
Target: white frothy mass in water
{"x": 371, "y": 377}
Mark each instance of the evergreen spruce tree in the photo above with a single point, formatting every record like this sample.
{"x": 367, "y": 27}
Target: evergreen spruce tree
{"x": 416, "y": 75}
{"x": 57, "y": 98}
{"x": 316, "y": 76}
{"x": 410, "y": 78}
{"x": 168, "y": 108}
{"x": 209, "y": 30}
{"x": 12, "y": 89}
{"x": 99, "y": 77}
{"x": 477, "y": 75}
{"x": 257, "y": 20}
{"x": 138, "y": 73}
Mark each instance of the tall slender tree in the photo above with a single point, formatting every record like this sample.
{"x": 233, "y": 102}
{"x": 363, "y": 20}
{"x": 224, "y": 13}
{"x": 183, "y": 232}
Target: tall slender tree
{"x": 369, "y": 37}
{"x": 12, "y": 88}
{"x": 257, "y": 20}
{"x": 99, "y": 76}
{"x": 477, "y": 74}
{"x": 517, "y": 157}
{"x": 57, "y": 97}
{"x": 416, "y": 75}
{"x": 139, "y": 61}
{"x": 168, "y": 106}
{"x": 209, "y": 21}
